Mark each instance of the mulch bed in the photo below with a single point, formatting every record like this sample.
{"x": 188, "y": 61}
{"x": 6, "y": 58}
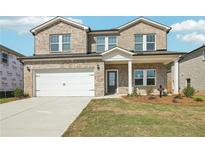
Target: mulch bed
{"x": 164, "y": 100}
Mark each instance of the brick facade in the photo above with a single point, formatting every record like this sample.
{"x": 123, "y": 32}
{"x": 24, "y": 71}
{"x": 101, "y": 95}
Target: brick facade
{"x": 123, "y": 75}
{"x": 78, "y": 38}
{"x": 74, "y": 64}
{"x": 125, "y": 38}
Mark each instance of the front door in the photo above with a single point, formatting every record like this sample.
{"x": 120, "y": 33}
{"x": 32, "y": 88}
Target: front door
{"x": 111, "y": 82}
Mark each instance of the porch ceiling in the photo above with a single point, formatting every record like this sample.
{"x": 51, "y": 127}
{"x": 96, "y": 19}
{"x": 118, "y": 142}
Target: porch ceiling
{"x": 165, "y": 59}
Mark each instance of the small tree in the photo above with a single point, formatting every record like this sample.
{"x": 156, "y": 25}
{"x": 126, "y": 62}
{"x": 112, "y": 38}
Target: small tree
{"x": 189, "y": 91}
{"x": 18, "y": 92}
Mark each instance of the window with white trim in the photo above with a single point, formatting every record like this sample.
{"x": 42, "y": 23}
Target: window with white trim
{"x": 138, "y": 42}
{"x": 100, "y": 43}
{"x": 139, "y": 75}
{"x": 65, "y": 42}
{"x": 150, "y": 42}
{"x": 151, "y": 77}
{"x": 60, "y": 42}
{"x": 145, "y": 77}
{"x": 104, "y": 43}
{"x": 188, "y": 82}
{"x": 4, "y": 58}
{"x": 145, "y": 42}
{"x": 112, "y": 42}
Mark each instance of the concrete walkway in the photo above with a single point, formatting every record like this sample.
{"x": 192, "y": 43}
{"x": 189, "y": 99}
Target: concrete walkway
{"x": 40, "y": 116}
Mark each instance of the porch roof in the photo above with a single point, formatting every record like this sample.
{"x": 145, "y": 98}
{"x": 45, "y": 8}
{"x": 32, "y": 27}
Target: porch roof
{"x": 121, "y": 55}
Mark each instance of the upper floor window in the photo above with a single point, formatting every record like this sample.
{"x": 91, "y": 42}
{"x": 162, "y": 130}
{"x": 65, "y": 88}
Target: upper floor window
{"x": 150, "y": 42}
{"x": 100, "y": 43}
{"x": 60, "y": 42}
{"x": 104, "y": 43}
{"x": 66, "y": 42}
{"x": 54, "y": 42}
{"x": 4, "y": 58}
{"x": 145, "y": 42}
{"x": 138, "y": 42}
{"x": 112, "y": 42}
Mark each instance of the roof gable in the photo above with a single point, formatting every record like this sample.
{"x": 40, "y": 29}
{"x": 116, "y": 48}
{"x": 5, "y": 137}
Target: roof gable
{"x": 58, "y": 19}
{"x": 147, "y": 21}
{"x": 10, "y": 51}
{"x": 117, "y": 54}
{"x": 117, "y": 49}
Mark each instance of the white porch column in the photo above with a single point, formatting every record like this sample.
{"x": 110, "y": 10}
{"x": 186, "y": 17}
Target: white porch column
{"x": 130, "y": 77}
{"x": 176, "y": 76}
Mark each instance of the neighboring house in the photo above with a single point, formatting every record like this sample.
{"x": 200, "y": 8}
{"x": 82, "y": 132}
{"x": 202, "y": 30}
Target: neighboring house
{"x": 71, "y": 59}
{"x": 11, "y": 70}
{"x": 192, "y": 70}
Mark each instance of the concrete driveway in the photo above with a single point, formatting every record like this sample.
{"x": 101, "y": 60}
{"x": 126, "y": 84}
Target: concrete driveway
{"x": 40, "y": 116}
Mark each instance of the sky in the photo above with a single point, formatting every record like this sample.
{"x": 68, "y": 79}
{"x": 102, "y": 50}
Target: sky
{"x": 188, "y": 32}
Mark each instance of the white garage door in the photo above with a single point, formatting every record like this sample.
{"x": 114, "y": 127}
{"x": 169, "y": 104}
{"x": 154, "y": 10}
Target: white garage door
{"x": 75, "y": 83}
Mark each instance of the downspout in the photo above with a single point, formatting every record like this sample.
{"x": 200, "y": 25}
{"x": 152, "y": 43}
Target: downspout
{"x": 176, "y": 76}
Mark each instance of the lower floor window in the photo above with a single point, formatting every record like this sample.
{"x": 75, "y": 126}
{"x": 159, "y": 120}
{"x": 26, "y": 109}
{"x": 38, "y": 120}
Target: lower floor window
{"x": 188, "y": 82}
{"x": 145, "y": 77}
{"x": 151, "y": 77}
{"x": 139, "y": 77}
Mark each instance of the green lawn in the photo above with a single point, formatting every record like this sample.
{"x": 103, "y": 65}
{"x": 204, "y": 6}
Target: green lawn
{"x": 119, "y": 117}
{"x": 6, "y": 100}
{"x": 202, "y": 97}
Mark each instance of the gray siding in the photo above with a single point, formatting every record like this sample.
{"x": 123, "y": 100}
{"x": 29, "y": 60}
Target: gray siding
{"x": 193, "y": 66}
{"x": 11, "y": 74}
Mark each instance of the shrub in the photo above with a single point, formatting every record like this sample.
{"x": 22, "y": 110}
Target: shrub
{"x": 25, "y": 95}
{"x": 18, "y": 92}
{"x": 198, "y": 99}
{"x": 149, "y": 90}
{"x": 189, "y": 91}
{"x": 6, "y": 94}
{"x": 164, "y": 93}
{"x": 179, "y": 96}
{"x": 133, "y": 94}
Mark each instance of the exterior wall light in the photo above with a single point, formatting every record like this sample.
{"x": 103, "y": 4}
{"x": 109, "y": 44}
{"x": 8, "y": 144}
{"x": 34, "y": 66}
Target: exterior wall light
{"x": 98, "y": 67}
{"x": 28, "y": 69}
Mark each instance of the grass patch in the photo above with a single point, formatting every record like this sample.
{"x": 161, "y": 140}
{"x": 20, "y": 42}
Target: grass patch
{"x": 120, "y": 117}
{"x": 199, "y": 96}
{"x": 6, "y": 100}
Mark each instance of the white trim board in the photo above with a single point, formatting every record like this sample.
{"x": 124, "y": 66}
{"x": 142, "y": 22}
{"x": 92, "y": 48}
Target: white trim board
{"x": 146, "y": 20}
{"x": 117, "y": 48}
{"x": 58, "y": 19}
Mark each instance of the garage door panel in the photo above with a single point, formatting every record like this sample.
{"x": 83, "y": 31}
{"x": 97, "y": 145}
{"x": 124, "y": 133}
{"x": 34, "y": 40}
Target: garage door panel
{"x": 65, "y": 84}
{"x": 63, "y": 93}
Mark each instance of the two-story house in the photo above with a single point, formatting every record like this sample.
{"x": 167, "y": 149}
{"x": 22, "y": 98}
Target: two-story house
{"x": 71, "y": 59}
{"x": 11, "y": 71}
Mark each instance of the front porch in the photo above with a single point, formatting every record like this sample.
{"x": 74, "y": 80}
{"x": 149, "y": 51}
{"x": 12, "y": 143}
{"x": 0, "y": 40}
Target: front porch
{"x": 126, "y": 81}
{"x": 126, "y": 72}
